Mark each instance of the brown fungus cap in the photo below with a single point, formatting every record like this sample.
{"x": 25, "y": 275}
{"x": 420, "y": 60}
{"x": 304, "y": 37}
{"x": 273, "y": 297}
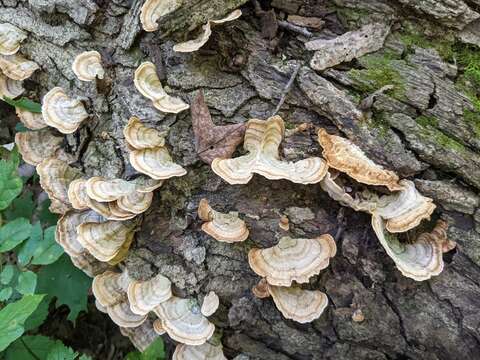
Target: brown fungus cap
{"x": 156, "y": 163}
{"x": 16, "y": 67}
{"x": 202, "y": 352}
{"x": 10, "y": 39}
{"x": 10, "y": 88}
{"x": 88, "y": 65}
{"x": 140, "y": 136}
{"x": 33, "y": 121}
{"x": 36, "y": 146}
{"x": 144, "y": 296}
{"x": 153, "y": 10}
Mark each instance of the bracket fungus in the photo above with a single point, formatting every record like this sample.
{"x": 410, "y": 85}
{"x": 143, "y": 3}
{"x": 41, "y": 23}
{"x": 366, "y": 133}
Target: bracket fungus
{"x": 144, "y": 296}
{"x": 293, "y": 259}
{"x": 33, "y": 121}
{"x": 262, "y": 141}
{"x": 10, "y": 39}
{"x": 184, "y": 322}
{"x": 89, "y": 265}
{"x": 153, "y": 10}
{"x": 148, "y": 84}
{"x": 136, "y": 202}
{"x": 222, "y": 227}
{"x": 419, "y": 260}
{"x": 158, "y": 327}
{"x": 195, "y": 44}
{"x": 201, "y": 352}
{"x": 210, "y": 304}
{"x": 139, "y": 136}
{"x": 62, "y": 112}
{"x": 77, "y": 194}
{"x": 300, "y": 305}
{"x": 16, "y": 67}
{"x": 109, "y": 210}
{"x": 88, "y": 65}
{"x": 343, "y": 155}
{"x": 156, "y": 163}
{"x": 107, "y": 241}
{"x": 106, "y": 190}
{"x": 10, "y": 88}
{"x": 55, "y": 177}
{"x": 36, "y": 146}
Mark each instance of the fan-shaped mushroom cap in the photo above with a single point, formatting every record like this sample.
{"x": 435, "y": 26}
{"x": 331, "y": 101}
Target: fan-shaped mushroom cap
{"x": 158, "y": 327}
{"x": 89, "y": 265}
{"x": 141, "y": 336}
{"x": 303, "y": 306}
{"x": 121, "y": 315}
{"x": 261, "y": 289}
{"x": 77, "y": 194}
{"x": 144, "y": 296}
{"x": 153, "y": 10}
{"x": 33, "y": 121}
{"x": 195, "y": 44}
{"x": 118, "y": 213}
{"x": 405, "y": 209}
{"x": 88, "y": 65}
{"x": 10, "y": 39}
{"x": 109, "y": 210}
{"x": 36, "y": 146}
{"x": 105, "y": 240}
{"x": 145, "y": 184}
{"x": 148, "y": 84}
{"x": 418, "y": 261}
{"x": 55, "y": 177}
{"x": 222, "y": 227}
{"x": 17, "y": 67}
{"x": 262, "y": 140}
{"x": 210, "y": 304}
{"x": 135, "y": 202}
{"x": 202, "y": 352}
{"x": 184, "y": 322}
{"x": 66, "y": 232}
{"x": 343, "y": 155}
{"x": 439, "y": 234}
{"x": 109, "y": 287}
{"x": 140, "y": 136}
{"x": 292, "y": 259}
{"x": 106, "y": 190}
{"x": 62, "y": 112}
{"x": 156, "y": 163}
{"x": 10, "y": 88}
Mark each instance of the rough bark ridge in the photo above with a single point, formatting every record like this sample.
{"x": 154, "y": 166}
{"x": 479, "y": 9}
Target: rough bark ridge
{"x": 426, "y": 128}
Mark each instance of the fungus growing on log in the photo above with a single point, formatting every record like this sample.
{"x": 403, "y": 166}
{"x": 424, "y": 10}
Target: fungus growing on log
{"x": 144, "y": 296}
{"x": 153, "y": 10}
{"x": 293, "y": 259}
{"x": 87, "y": 66}
{"x": 156, "y": 163}
{"x": 109, "y": 210}
{"x": 262, "y": 141}
{"x": 210, "y": 304}
{"x": 62, "y": 112}
{"x": 36, "y": 146}
{"x": 10, "y": 88}
{"x": 139, "y": 136}
{"x": 89, "y": 265}
{"x": 10, "y": 39}
{"x": 202, "y": 352}
{"x": 77, "y": 194}
{"x": 32, "y": 121}
{"x": 106, "y": 190}
{"x": 16, "y": 67}
{"x": 135, "y": 202}
{"x": 222, "y": 227}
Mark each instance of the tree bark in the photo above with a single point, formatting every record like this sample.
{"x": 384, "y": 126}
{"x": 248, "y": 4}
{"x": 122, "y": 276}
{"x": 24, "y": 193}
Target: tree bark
{"x": 423, "y": 130}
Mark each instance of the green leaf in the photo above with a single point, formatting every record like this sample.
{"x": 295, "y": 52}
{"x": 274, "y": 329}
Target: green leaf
{"x": 7, "y": 274}
{"x": 6, "y": 293}
{"x": 64, "y": 281}
{"x": 24, "y": 103}
{"x": 156, "y": 351}
{"x": 28, "y": 248}
{"x": 13, "y": 316}
{"x": 23, "y": 206}
{"x": 26, "y": 283}
{"x": 48, "y": 251}
{"x": 14, "y": 233}
{"x": 61, "y": 352}
{"x": 23, "y": 348}
{"x": 10, "y": 183}
{"x": 45, "y": 216}
{"x": 85, "y": 357}
{"x": 39, "y": 315}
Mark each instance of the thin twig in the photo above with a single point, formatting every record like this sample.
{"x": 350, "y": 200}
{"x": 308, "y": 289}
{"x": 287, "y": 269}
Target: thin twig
{"x": 287, "y": 89}
{"x": 294, "y": 28}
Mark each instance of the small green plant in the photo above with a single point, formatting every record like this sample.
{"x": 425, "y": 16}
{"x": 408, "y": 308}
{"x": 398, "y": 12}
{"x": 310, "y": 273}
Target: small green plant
{"x": 24, "y": 103}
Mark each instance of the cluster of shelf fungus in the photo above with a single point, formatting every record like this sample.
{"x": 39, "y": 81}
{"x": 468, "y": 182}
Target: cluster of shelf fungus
{"x": 100, "y": 216}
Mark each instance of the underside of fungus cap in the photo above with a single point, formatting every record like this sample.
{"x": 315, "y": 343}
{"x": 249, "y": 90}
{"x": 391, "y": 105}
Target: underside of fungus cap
{"x": 405, "y": 209}
{"x": 292, "y": 259}
{"x": 184, "y": 322}
{"x": 36, "y": 146}
{"x": 89, "y": 265}
{"x": 210, "y": 304}
{"x": 105, "y": 240}
{"x": 105, "y": 209}
{"x": 262, "y": 141}
{"x": 109, "y": 288}
{"x": 153, "y": 10}
{"x": 106, "y": 190}
{"x": 419, "y": 260}
{"x": 10, "y": 39}
{"x": 222, "y": 227}
{"x": 121, "y": 315}
{"x": 16, "y": 67}
{"x": 345, "y": 156}
{"x": 156, "y": 163}
{"x": 140, "y": 136}
{"x": 88, "y": 65}
{"x": 62, "y": 112}
{"x": 202, "y": 352}
{"x": 32, "y": 121}
{"x": 10, "y": 88}
{"x": 196, "y": 44}
{"x": 141, "y": 336}
{"x": 302, "y": 306}
{"x": 55, "y": 178}
{"x": 144, "y": 296}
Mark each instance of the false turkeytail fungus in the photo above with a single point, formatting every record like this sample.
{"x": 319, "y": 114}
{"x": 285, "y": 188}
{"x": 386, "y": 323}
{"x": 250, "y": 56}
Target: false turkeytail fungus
{"x": 88, "y": 65}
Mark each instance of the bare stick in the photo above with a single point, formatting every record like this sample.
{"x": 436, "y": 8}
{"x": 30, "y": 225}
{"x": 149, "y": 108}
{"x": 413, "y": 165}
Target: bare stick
{"x": 287, "y": 89}
{"x": 295, "y": 28}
